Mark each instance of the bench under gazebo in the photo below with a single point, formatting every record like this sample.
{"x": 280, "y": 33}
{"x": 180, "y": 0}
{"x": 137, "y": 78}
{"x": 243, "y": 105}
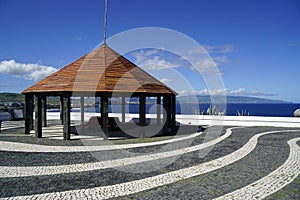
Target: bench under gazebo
{"x": 101, "y": 73}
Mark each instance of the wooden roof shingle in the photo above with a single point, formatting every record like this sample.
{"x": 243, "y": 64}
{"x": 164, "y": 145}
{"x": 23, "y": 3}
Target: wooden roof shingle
{"x": 102, "y": 70}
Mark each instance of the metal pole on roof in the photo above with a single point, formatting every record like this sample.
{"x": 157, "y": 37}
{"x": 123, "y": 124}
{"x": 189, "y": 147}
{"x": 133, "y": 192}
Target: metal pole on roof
{"x": 105, "y": 20}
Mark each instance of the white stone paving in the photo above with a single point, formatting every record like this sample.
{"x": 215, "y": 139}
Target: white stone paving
{"x": 6, "y": 171}
{"x": 273, "y": 182}
{"x": 132, "y": 187}
{"x": 12, "y": 124}
{"x": 24, "y": 147}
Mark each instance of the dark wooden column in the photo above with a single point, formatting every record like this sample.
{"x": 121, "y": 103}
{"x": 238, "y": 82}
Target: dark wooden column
{"x": 61, "y": 109}
{"x": 142, "y": 112}
{"x": 166, "y": 116}
{"x": 169, "y": 112}
{"x": 158, "y": 109}
{"x": 38, "y": 116}
{"x": 28, "y": 113}
{"x": 173, "y": 110}
{"x": 44, "y": 110}
{"x": 123, "y": 108}
{"x": 99, "y": 105}
{"x": 104, "y": 114}
{"x": 66, "y": 116}
{"x": 82, "y": 109}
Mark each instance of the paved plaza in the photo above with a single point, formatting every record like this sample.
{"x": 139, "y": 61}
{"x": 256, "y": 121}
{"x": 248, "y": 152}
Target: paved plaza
{"x": 239, "y": 163}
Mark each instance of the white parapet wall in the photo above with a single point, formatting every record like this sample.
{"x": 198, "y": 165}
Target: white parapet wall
{"x": 203, "y": 120}
{"x": 239, "y": 120}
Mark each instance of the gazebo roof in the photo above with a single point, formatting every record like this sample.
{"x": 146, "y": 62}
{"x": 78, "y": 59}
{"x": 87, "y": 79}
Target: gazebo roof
{"x": 102, "y": 70}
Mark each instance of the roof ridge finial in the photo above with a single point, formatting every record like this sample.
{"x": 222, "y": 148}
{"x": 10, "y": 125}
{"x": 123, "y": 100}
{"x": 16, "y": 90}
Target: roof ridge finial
{"x": 105, "y": 20}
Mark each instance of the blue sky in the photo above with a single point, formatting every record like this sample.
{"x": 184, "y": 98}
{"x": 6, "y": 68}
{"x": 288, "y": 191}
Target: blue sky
{"x": 255, "y": 43}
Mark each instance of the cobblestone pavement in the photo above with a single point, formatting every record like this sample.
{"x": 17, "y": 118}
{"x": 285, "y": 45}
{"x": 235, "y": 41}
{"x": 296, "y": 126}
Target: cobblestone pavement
{"x": 273, "y": 182}
{"x": 23, "y": 147}
{"x": 50, "y": 170}
{"x": 12, "y": 124}
{"x": 230, "y": 153}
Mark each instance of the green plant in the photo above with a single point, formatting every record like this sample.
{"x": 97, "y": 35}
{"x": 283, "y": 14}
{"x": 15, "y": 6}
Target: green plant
{"x": 212, "y": 110}
{"x": 242, "y": 113}
{"x": 196, "y": 111}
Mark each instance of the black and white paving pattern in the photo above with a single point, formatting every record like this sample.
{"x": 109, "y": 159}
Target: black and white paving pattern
{"x": 241, "y": 163}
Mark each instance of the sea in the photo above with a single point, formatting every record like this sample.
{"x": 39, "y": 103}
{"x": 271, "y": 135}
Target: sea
{"x": 232, "y": 109}
{"x": 257, "y": 109}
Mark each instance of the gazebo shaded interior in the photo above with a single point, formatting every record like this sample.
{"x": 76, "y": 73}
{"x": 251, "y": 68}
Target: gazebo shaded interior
{"x": 101, "y": 73}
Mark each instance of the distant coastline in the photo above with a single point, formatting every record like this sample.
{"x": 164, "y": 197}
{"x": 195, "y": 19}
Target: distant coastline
{"x": 6, "y": 97}
{"x": 235, "y": 104}
{"x": 229, "y": 99}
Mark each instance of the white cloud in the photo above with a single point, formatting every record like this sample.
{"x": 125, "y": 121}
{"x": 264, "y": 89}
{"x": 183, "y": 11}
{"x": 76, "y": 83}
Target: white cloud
{"x": 258, "y": 93}
{"x": 28, "y": 71}
{"x": 221, "y": 60}
{"x": 198, "y": 50}
{"x": 220, "y": 49}
{"x": 202, "y": 60}
{"x": 149, "y": 60}
{"x": 142, "y": 55}
{"x": 184, "y": 92}
{"x": 207, "y": 66}
{"x": 153, "y": 60}
{"x": 157, "y": 64}
{"x": 244, "y": 92}
{"x": 165, "y": 80}
{"x": 225, "y": 91}
{"x": 150, "y": 52}
{"x": 205, "y": 48}
{"x": 222, "y": 91}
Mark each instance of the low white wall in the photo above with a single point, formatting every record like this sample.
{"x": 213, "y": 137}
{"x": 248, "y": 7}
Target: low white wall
{"x": 240, "y": 120}
{"x": 204, "y": 120}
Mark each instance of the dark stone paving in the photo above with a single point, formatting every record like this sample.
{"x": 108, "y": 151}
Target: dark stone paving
{"x": 45, "y": 159}
{"x": 254, "y": 166}
{"x": 271, "y": 153}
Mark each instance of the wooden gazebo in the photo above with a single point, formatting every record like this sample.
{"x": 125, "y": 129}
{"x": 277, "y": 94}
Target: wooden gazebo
{"x": 101, "y": 73}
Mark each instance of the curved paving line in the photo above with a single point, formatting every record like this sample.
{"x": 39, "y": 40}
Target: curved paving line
{"x": 6, "y": 125}
{"x": 6, "y": 171}
{"x": 36, "y": 148}
{"x": 132, "y": 187}
{"x": 273, "y": 182}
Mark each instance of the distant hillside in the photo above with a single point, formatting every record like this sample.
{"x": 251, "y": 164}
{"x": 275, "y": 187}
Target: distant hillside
{"x": 229, "y": 99}
{"x": 11, "y": 97}
{"x": 16, "y": 97}
{"x": 7, "y": 97}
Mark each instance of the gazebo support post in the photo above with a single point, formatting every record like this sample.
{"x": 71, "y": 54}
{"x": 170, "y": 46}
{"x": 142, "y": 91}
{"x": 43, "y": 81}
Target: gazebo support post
{"x": 169, "y": 110}
{"x": 142, "y": 112}
{"x": 123, "y": 108}
{"x": 28, "y": 113}
{"x": 61, "y": 109}
{"x": 104, "y": 114}
{"x": 82, "y": 109}
{"x": 166, "y": 113}
{"x": 38, "y": 116}
{"x": 158, "y": 109}
{"x": 44, "y": 110}
{"x": 99, "y": 105}
{"x": 66, "y": 116}
{"x": 173, "y": 111}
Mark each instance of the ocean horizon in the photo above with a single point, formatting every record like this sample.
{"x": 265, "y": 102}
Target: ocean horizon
{"x": 232, "y": 109}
